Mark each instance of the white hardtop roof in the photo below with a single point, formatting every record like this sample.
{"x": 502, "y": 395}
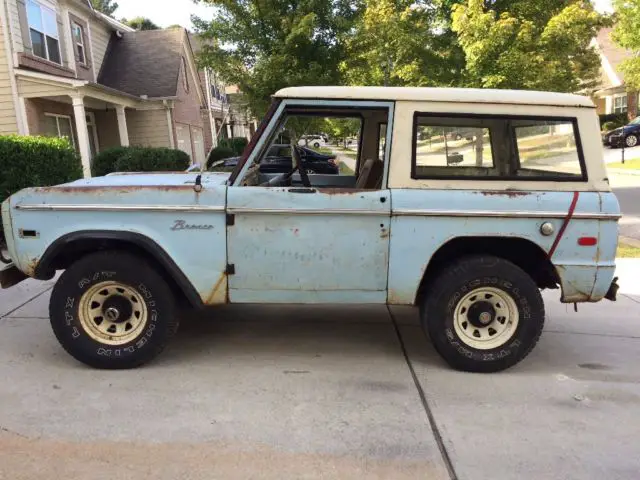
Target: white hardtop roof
{"x": 420, "y": 94}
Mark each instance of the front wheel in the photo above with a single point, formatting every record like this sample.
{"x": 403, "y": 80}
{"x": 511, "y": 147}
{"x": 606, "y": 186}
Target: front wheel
{"x": 483, "y": 314}
{"x": 631, "y": 140}
{"x": 112, "y": 310}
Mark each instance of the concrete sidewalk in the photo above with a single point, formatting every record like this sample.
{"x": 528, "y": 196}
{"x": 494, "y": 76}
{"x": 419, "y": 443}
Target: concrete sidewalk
{"x": 323, "y": 392}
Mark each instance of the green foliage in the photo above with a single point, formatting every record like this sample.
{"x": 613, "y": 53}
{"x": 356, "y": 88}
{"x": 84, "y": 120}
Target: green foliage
{"x": 543, "y": 45}
{"x": 343, "y": 128}
{"x": 139, "y": 159}
{"x": 235, "y": 144}
{"x": 36, "y": 162}
{"x": 141, "y": 23}
{"x": 613, "y": 120}
{"x": 264, "y": 45}
{"x": 627, "y": 34}
{"x": 220, "y": 153}
{"x": 402, "y": 42}
{"x": 105, "y": 6}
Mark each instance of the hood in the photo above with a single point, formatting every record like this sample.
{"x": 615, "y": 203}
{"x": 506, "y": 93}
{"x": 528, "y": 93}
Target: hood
{"x": 159, "y": 179}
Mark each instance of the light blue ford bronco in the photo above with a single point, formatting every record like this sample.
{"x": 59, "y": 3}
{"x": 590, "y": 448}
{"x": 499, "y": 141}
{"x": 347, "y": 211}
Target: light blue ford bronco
{"x": 468, "y": 227}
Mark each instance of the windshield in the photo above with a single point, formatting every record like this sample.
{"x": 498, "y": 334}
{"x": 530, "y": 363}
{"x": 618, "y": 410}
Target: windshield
{"x": 635, "y": 121}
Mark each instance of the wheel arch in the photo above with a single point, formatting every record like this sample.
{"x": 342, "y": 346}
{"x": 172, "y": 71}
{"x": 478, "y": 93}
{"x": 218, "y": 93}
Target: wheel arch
{"x": 70, "y": 247}
{"x": 524, "y": 253}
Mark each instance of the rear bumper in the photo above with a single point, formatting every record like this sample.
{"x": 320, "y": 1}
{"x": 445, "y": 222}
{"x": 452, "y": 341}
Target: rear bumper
{"x": 11, "y": 276}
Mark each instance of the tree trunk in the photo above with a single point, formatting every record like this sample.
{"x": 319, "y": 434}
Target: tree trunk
{"x": 479, "y": 148}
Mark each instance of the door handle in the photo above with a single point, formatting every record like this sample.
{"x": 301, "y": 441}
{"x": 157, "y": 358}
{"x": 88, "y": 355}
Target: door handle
{"x": 302, "y": 190}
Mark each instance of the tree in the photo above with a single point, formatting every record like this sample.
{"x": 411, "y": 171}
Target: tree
{"x": 141, "y": 23}
{"x": 542, "y": 45}
{"x": 627, "y": 34}
{"x": 108, "y": 7}
{"x": 342, "y": 128}
{"x": 402, "y": 42}
{"x": 264, "y": 45}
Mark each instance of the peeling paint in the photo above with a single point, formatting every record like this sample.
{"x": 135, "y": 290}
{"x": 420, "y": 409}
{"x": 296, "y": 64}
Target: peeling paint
{"x": 341, "y": 191}
{"x": 505, "y": 193}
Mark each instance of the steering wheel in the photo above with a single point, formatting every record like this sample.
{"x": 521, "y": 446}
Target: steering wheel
{"x": 304, "y": 176}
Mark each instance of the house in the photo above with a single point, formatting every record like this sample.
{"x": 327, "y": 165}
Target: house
{"x": 68, "y": 70}
{"x": 612, "y": 95}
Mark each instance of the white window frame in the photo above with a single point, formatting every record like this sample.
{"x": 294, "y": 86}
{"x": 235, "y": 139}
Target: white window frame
{"x": 91, "y": 122}
{"x": 42, "y": 7}
{"x": 83, "y": 59}
{"x": 66, "y": 117}
{"x": 626, "y": 103}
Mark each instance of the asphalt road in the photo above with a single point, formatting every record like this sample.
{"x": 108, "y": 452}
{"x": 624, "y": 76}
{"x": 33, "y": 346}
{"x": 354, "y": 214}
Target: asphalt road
{"x": 323, "y": 392}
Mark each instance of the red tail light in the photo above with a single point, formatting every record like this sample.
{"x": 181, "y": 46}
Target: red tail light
{"x": 587, "y": 241}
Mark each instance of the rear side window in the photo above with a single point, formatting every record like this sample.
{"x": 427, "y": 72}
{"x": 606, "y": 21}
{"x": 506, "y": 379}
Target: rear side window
{"x": 531, "y": 148}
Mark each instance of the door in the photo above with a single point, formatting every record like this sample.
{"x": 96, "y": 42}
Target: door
{"x": 198, "y": 145}
{"x": 93, "y": 134}
{"x": 303, "y": 245}
{"x": 184, "y": 139}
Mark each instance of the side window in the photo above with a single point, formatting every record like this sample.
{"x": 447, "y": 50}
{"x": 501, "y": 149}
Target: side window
{"x": 547, "y": 148}
{"x": 453, "y": 147}
{"x": 495, "y": 148}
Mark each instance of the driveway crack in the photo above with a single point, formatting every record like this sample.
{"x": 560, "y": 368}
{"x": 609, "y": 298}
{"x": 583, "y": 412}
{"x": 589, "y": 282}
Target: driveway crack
{"x": 425, "y": 404}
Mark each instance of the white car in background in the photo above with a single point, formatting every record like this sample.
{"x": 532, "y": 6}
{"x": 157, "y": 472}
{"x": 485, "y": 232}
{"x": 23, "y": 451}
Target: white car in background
{"x": 315, "y": 141}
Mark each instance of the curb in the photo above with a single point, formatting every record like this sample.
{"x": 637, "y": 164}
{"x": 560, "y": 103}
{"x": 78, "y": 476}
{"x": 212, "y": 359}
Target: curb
{"x": 620, "y": 171}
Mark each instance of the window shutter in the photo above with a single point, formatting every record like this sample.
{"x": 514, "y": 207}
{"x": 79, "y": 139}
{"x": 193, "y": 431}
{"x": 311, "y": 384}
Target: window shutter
{"x": 24, "y": 26}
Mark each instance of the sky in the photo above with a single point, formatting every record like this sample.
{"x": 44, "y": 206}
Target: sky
{"x": 170, "y": 12}
{"x": 162, "y": 12}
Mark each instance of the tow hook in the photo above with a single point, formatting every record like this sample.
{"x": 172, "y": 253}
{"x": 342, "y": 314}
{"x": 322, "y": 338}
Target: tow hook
{"x": 613, "y": 290}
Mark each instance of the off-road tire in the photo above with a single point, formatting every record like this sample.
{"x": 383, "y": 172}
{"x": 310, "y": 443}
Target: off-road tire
{"x": 468, "y": 274}
{"x": 137, "y": 276}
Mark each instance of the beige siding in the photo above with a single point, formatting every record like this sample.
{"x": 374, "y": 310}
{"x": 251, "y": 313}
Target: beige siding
{"x": 14, "y": 20}
{"x": 8, "y": 121}
{"x": 148, "y": 128}
{"x": 100, "y": 35}
{"x": 31, "y": 89}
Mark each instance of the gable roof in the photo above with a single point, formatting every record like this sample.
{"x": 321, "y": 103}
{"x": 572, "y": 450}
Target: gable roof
{"x": 611, "y": 56}
{"x": 144, "y": 63}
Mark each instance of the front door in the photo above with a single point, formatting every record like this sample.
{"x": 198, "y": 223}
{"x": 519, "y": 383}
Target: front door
{"x": 303, "y": 245}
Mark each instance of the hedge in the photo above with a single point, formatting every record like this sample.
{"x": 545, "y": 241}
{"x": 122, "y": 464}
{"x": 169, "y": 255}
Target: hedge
{"x": 219, "y": 153}
{"x": 614, "y": 120}
{"x": 139, "y": 159}
{"x": 237, "y": 144}
{"x": 35, "y": 162}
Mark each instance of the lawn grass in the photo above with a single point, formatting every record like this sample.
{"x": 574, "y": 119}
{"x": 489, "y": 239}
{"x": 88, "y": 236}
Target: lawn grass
{"x": 629, "y": 164}
{"x": 345, "y": 170}
{"x": 627, "y": 251}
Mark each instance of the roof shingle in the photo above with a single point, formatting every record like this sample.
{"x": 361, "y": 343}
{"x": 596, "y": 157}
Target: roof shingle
{"x": 144, "y": 63}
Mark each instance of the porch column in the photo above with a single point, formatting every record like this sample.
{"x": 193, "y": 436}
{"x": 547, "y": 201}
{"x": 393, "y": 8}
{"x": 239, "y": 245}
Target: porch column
{"x": 122, "y": 125}
{"x": 83, "y": 134}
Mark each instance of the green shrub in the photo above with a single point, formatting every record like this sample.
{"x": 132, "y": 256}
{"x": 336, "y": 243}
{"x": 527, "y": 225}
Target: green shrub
{"x": 35, "y": 162}
{"x": 237, "y": 144}
{"x": 613, "y": 120}
{"x": 219, "y": 153}
{"x": 139, "y": 159}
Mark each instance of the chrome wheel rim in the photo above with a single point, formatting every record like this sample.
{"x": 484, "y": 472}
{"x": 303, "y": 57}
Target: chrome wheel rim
{"x": 631, "y": 141}
{"x": 112, "y": 313}
{"x": 486, "y": 318}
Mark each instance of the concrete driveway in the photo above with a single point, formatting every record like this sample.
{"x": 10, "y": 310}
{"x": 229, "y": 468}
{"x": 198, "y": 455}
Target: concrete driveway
{"x": 316, "y": 392}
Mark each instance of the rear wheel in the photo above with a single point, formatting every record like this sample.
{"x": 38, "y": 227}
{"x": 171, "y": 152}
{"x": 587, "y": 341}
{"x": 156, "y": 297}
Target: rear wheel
{"x": 112, "y": 310}
{"x": 483, "y": 314}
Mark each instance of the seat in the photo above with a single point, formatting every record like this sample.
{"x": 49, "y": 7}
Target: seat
{"x": 370, "y": 177}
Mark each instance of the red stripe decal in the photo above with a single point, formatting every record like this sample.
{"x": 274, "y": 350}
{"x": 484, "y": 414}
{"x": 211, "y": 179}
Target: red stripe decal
{"x": 567, "y": 219}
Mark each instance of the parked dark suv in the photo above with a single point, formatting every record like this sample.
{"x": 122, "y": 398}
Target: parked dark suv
{"x": 629, "y": 135}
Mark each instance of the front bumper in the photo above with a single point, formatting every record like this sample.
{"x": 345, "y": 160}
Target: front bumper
{"x": 612, "y": 293}
{"x": 11, "y": 276}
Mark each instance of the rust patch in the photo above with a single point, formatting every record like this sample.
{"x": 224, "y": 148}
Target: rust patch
{"x": 384, "y": 233}
{"x": 97, "y": 190}
{"x": 341, "y": 191}
{"x": 32, "y": 264}
{"x": 505, "y": 193}
{"x": 219, "y": 290}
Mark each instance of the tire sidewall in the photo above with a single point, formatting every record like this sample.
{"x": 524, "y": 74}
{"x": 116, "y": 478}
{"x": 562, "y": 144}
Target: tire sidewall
{"x": 65, "y": 303}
